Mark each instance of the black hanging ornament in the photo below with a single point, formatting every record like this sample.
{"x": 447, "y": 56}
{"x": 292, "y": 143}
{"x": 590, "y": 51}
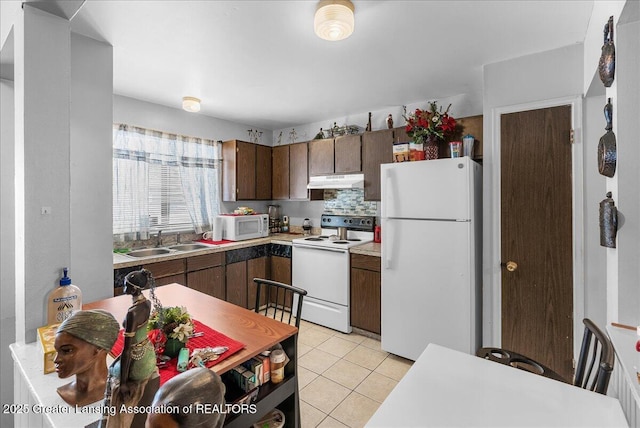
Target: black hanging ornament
{"x": 607, "y": 63}
{"x": 608, "y": 222}
{"x": 607, "y": 149}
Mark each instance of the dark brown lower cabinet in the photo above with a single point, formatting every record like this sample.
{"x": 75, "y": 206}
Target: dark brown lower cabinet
{"x": 256, "y": 268}
{"x": 205, "y": 273}
{"x": 365, "y": 292}
{"x": 281, "y": 272}
{"x": 241, "y": 290}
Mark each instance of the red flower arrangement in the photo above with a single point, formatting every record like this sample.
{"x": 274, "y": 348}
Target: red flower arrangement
{"x": 431, "y": 122}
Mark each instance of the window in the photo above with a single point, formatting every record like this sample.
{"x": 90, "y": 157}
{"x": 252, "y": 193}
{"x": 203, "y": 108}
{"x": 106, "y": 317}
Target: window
{"x": 163, "y": 182}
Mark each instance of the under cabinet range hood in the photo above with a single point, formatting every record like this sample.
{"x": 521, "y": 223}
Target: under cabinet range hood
{"x": 349, "y": 181}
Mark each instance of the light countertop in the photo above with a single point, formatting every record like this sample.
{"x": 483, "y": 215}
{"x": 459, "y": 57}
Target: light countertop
{"x": 122, "y": 260}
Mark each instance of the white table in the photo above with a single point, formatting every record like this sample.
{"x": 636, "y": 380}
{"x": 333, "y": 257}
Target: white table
{"x": 447, "y": 388}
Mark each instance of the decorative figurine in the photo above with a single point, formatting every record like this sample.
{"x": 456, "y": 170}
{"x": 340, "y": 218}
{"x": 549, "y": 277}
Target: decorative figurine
{"x": 133, "y": 376}
{"x": 607, "y": 63}
{"x": 335, "y": 131}
{"x": 279, "y": 139}
{"x": 198, "y": 385}
{"x": 369, "y": 123}
{"x": 82, "y": 343}
{"x": 319, "y": 135}
{"x": 293, "y": 135}
{"x": 390, "y": 121}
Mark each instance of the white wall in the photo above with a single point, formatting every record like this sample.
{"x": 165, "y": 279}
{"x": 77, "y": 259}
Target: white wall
{"x": 91, "y": 148}
{"x": 595, "y": 279}
{"x": 7, "y": 244}
{"x": 627, "y": 127}
{"x": 42, "y": 130}
{"x": 135, "y": 112}
{"x": 305, "y": 132}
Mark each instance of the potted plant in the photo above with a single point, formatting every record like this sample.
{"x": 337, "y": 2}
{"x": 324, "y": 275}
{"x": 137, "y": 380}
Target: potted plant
{"x": 170, "y": 327}
{"x": 428, "y": 126}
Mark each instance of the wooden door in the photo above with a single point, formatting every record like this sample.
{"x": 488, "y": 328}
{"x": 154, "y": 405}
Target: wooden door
{"x": 377, "y": 148}
{"x": 263, "y": 172}
{"x": 348, "y": 157}
{"x": 321, "y": 157}
{"x": 280, "y": 172}
{"x": 298, "y": 171}
{"x": 536, "y": 234}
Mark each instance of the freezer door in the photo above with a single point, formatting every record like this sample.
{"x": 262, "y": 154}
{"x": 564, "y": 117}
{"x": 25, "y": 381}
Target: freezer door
{"x": 428, "y": 286}
{"x": 435, "y": 189}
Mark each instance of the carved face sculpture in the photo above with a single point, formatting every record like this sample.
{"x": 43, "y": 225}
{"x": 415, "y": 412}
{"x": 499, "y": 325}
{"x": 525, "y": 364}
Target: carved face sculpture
{"x": 74, "y": 355}
{"x": 160, "y": 420}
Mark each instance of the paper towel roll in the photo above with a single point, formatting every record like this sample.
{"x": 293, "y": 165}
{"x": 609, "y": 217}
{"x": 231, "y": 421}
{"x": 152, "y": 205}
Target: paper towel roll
{"x": 217, "y": 229}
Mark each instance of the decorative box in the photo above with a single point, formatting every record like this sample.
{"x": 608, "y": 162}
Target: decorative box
{"x": 46, "y": 338}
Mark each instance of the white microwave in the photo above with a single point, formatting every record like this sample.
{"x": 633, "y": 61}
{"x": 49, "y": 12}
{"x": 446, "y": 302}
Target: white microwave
{"x": 240, "y": 227}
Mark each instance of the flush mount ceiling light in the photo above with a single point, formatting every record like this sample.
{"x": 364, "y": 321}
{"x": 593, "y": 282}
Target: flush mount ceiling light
{"x": 334, "y": 19}
{"x": 191, "y": 104}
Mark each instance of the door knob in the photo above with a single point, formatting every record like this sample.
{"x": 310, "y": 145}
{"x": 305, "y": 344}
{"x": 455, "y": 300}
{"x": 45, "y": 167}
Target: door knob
{"x": 510, "y": 265}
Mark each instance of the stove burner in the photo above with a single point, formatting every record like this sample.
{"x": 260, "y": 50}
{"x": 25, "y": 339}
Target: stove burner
{"x": 313, "y": 239}
{"x": 340, "y": 242}
{"x": 323, "y": 236}
{"x": 354, "y": 239}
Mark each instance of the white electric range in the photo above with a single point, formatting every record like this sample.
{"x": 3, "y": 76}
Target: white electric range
{"x": 321, "y": 265}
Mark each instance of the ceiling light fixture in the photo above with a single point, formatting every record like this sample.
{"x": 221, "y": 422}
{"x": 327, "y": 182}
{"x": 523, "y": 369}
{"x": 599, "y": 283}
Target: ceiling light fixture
{"x": 334, "y": 19}
{"x": 191, "y": 104}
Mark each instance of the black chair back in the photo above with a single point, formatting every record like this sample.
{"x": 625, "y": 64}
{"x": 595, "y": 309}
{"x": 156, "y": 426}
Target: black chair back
{"x": 514, "y": 359}
{"x": 596, "y": 360}
{"x": 281, "y": 298}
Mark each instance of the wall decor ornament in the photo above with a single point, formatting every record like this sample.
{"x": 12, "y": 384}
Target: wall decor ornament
{"x": 608, "y": 222}
{"x": 607, "y": 63}
{"x": 607, "y": 151}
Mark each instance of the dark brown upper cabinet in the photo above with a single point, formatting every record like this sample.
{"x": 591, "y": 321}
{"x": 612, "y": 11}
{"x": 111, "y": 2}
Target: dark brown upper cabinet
{"x": 243, "y": 166}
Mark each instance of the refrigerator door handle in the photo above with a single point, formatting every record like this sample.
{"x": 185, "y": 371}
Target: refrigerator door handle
{"x": 388, "y": 241}
{"x": 386, "y": 183}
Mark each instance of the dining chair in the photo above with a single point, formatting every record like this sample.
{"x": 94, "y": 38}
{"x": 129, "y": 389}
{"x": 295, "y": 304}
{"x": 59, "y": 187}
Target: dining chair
{"x": 514, "y": 359}
{"x": 276, "y": 296}
{"x": 596, "y": 348}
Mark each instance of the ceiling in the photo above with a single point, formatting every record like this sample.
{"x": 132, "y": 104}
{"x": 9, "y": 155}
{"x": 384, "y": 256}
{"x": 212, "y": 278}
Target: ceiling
{"x": 259, "y": 62}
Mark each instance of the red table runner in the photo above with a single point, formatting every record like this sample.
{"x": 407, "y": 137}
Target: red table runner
{"x": 210, "y": 338}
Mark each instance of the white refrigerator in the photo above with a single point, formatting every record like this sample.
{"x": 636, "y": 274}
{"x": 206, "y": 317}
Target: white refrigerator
{"x": 431, "y": 220}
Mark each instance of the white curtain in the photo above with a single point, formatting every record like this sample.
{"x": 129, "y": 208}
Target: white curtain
{"x": 200, "y": 176}
{"x": 136, "y": 151}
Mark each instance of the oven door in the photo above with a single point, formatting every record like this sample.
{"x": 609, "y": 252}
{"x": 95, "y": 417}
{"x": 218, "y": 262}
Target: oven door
{"x": 324, "y": 274}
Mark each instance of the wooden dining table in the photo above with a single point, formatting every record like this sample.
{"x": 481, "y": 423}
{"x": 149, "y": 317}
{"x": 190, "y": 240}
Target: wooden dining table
{"x": 448, "y": 388}
{"x": 257, "y": 332}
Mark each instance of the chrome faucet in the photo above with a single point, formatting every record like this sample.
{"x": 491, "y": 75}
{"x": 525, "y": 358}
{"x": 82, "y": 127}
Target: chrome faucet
{"x": 159, "y": 243}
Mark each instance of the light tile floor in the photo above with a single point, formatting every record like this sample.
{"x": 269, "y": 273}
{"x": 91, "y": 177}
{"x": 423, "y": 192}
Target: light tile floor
{"x": 343, "y": 378}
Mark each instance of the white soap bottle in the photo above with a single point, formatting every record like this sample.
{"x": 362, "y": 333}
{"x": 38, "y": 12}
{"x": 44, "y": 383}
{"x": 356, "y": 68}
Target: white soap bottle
{"x": 63, "y": 301}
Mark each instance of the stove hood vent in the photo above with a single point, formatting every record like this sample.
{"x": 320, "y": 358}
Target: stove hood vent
{"x": 350, "y": 181}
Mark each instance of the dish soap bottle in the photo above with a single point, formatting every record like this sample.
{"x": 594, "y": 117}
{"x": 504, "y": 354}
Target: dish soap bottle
{"x": 63, "y": 301}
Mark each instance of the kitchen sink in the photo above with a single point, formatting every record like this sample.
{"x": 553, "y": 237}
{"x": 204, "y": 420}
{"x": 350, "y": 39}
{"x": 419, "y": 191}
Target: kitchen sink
{"x": 149, "y": 252}
{"x": 189, "y": 247}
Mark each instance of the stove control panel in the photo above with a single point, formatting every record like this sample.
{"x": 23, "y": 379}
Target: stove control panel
{"x": 351, "y": 222}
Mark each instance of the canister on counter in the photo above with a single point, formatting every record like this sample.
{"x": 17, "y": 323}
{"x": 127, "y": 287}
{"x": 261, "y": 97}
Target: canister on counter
{"x": 277, "y": 359}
